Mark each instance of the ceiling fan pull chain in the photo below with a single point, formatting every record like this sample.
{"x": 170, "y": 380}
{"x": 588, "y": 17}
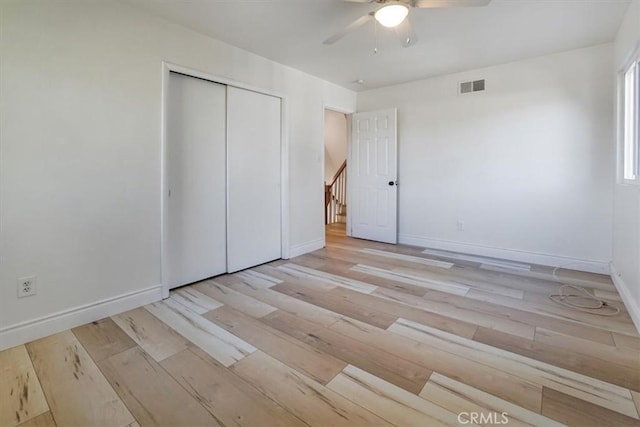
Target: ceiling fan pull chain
{"x": 375, "y": 36}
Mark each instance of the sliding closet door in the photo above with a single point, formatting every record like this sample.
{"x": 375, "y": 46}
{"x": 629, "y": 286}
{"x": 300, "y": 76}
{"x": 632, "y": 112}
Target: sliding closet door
{"x": 253, "y": 159}
{"x": 195, "y": 198}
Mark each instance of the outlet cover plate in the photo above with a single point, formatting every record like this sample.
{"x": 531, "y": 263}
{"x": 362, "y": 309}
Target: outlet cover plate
{"x": 26, "y": 286}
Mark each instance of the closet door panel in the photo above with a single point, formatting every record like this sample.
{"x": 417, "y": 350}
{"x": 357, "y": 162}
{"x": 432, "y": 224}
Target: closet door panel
{"x": 195, "y": 199}
{"x": 254, "y": 178}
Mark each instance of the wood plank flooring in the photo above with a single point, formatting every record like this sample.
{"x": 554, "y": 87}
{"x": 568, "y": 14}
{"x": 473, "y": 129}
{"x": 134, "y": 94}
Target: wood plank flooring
{"x": 357, "y": 334}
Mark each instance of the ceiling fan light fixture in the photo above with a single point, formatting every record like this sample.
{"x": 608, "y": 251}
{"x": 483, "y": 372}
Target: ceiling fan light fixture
{"x": 391, "y": 15}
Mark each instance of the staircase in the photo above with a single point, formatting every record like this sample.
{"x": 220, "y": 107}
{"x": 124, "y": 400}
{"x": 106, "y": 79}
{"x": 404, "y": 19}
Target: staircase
{"x": 335, "y": 197}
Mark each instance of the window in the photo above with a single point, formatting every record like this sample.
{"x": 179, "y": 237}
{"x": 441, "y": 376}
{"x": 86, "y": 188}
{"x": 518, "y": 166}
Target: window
{"x": 631, "y": 122}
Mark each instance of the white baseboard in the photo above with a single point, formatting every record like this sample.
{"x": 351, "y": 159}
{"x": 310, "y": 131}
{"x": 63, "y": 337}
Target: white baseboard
{"x": 25, "y": 332}
{"x": 305, "y": 248}
{"x": 591, "y": 266}
{"x": 633, "y": 306}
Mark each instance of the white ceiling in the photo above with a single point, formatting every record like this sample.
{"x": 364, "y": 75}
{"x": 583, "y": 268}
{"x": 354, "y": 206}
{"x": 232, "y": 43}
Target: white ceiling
{"x": 450, "y": 40}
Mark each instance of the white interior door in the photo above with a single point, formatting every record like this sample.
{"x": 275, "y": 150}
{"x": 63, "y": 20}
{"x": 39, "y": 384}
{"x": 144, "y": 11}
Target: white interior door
{"x": 254, "y": 178}
{"x": 194, "y": 235}
{"x": 373, "y": 175}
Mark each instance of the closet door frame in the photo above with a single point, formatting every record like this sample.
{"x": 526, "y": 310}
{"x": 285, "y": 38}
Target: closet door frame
{"x": 167, "y": 68}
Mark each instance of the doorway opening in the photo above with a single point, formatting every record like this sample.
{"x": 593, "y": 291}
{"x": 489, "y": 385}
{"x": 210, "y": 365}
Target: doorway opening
{"x": 336, "y": 135}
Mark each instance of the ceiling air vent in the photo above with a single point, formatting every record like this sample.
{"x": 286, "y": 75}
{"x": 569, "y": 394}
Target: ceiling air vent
{"x": 473, "y": 86}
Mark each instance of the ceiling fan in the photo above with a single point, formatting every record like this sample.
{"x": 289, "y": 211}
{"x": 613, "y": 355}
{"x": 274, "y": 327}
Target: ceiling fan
{"x": 394, "y": 14}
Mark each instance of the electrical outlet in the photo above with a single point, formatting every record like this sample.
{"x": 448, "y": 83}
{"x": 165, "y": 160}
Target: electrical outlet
{"x": 26, "y": 286}
{"x": 460, "y": 225}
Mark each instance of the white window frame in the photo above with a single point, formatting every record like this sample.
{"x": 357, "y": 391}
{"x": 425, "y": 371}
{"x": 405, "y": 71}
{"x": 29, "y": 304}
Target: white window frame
{"x": 629, "y": 120}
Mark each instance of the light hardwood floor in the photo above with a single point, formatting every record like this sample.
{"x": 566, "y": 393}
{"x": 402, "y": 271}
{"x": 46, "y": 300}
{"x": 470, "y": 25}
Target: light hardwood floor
{"x": 360, "y": 333}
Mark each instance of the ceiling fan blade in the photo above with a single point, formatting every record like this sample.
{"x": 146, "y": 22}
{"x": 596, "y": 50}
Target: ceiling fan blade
{"x": 360, "y": 1}
{"x": 449, "y": 3}
{"x": 355, "y": 24}
{"x": 405, "y": 32}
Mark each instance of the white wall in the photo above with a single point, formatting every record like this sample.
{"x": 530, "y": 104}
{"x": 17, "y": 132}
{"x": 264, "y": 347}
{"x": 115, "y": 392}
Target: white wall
{"x": 335, "y": 143}
{"x": 526, "y": 165}
{"x": 626, "y": 224}
{"x": 80, "y": 153}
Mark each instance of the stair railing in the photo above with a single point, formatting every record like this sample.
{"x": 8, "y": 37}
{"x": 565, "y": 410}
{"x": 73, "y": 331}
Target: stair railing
{"x": 335, "y": 196}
